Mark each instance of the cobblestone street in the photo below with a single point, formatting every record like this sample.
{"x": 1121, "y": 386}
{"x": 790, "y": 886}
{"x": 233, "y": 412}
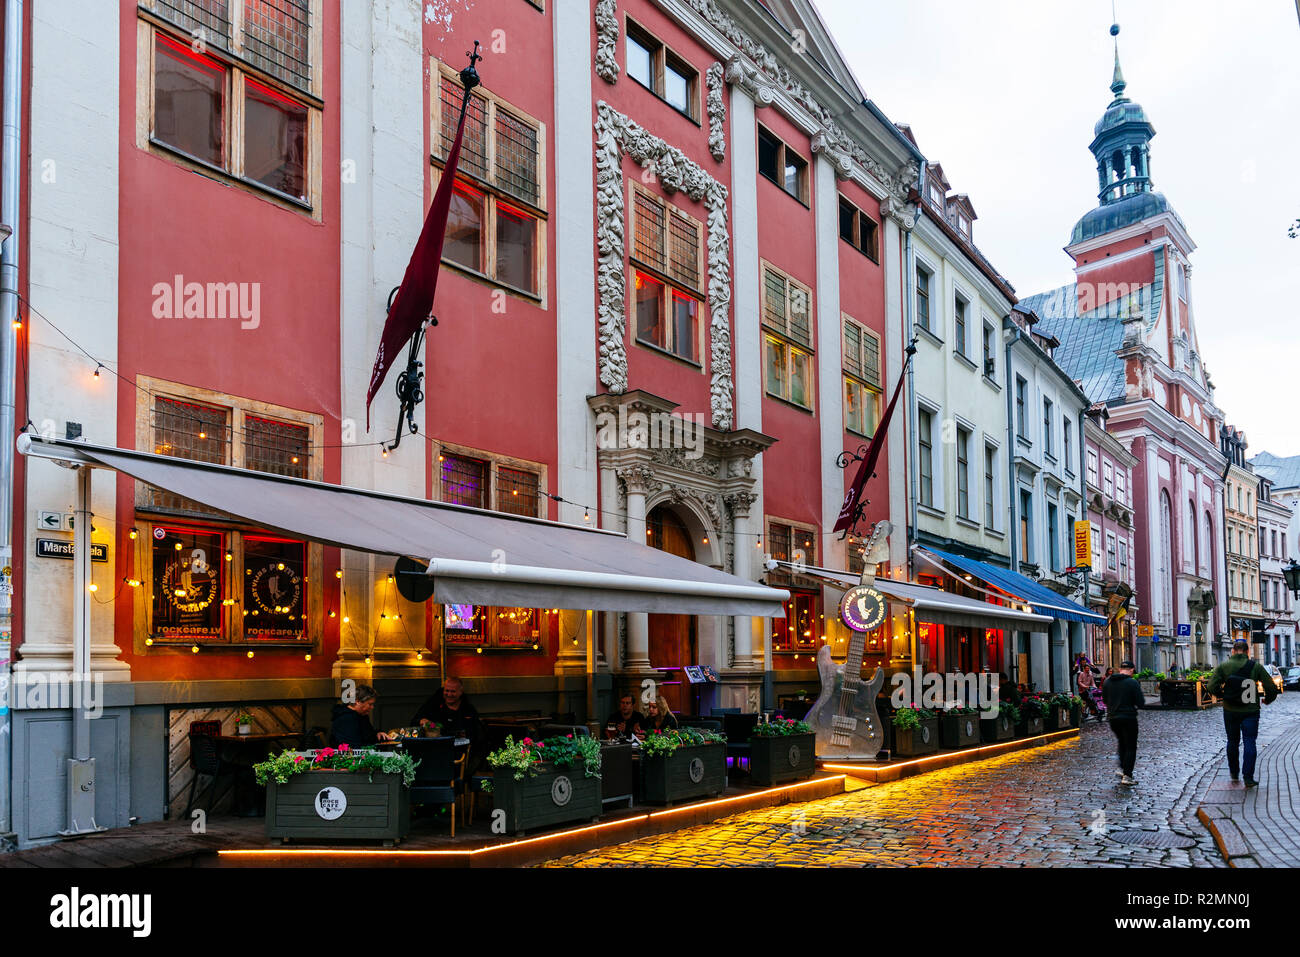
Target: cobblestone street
{"x": 1060, "y": 806}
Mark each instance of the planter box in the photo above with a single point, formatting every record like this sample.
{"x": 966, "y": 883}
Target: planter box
{"x": 917, "y": 741}
{"x": 1150, "y": 688}
{"x": 959, "y": 730}
{"x": 329, "y": 806}
{"x": 1028, "y": 727}
{"x": 1076, "y": 715}
{"x": 996, "y": 729}
{"x": 1186, "y": 695}
{"x": 552, "y": 796}
{"x": 1058, "y": 719}
{"x": 787, "y": 757}
{"x": 689, "y": 772}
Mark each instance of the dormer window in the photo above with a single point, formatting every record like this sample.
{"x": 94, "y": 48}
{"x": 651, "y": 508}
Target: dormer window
{"x": 936, "y": 197}
{"x": 963, "y": 225}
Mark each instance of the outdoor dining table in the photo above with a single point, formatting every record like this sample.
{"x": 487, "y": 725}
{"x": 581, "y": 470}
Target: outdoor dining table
{"x": 242, "y": 751}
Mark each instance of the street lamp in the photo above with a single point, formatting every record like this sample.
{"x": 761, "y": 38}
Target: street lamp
{"x": 1291, "y": 572}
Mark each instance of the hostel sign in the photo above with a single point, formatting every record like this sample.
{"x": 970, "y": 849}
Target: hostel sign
{"x": 1083, "y": 544}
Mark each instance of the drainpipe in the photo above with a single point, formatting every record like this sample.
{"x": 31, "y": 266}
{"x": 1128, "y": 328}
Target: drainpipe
{"x": 909, "y": 328}
{"x": 1013, "y": 507}
{"x": 9, "y": 197}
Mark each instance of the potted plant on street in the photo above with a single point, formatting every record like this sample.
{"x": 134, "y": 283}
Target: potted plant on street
{"x": 547, "y": 782}
{"x": 782, "y": 750}
{"x": 1076, "y": 711}
{"x": 1149, "y": 681}
{"x": 959, "y": 727}
{"x": 916, "y": 732}
{"x": 337, "y": 793}
{"x": 1057, "y": 715}
{"x": 1032, "y": 709}
{"x": 683, "y": 763}
{"x": 1002, "y": 726}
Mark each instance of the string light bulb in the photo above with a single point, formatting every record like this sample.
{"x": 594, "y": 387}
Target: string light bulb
{"x": 332, "y": 614}
{"x": 98, "y": 366}
{"x": 133, "y": 533}
{"x": 338, "y": 573}
{"x": 178, "y": 546}
{"x": 148, "y": 641}
{"x": 307, "y": 657}
{"x": 194, "y": 649}
{"x": 367, "y": 659}
{"x": 92, "y": 587}
{"x": 250, "y": 653}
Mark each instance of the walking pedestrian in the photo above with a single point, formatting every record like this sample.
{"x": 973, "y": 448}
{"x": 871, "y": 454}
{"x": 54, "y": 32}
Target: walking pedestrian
{"x": 1123, "y": 697}
{"x": 1238, "y": 681}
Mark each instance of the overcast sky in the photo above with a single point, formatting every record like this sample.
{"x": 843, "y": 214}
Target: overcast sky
{"x": 1005, "y": 94}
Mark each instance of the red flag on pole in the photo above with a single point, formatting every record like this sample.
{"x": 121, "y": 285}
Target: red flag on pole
{"x": 415, "y": 296}
{"x": 854, "y": 496}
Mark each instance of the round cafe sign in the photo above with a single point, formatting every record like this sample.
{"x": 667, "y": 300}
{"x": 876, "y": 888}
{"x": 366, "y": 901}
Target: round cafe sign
{"x": 331, "y": 803}
{"x": 862, "y": 608}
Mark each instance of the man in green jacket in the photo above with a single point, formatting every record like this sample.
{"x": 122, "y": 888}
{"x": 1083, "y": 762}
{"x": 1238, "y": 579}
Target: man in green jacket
{"x": 1237, "y": 681}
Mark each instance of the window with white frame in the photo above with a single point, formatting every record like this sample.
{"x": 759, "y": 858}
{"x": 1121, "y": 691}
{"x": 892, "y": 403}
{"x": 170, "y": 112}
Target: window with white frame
{"x": 1047, "y": 428}
{"x": 925, "y": 457}
{"x": 1096, "y": 545}
{"x": 990, "y": 489}
{"x": 963, "y": 472}
{"x": 1123, "y": 560}
{"x": 667, "y": 275}
{"x": 235, "y": 87}
{"x": 960, "y": 309}
{"x": 1067, "y": 442}
{"x": 1111, "y": 562}
{"x": 924, "y": 279}
{"x": 861, "y": 378}
{"x": 786, "y": 309}
{"x": 989, "y": 338}
{"x": 1107, "y": 479}
{"x": 1092, "y": 468}
{"x": 496, "y": 226}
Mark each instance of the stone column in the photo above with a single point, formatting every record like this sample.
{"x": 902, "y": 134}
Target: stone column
{"x": 739, "y": 503}
{"x": 637, "y": 478}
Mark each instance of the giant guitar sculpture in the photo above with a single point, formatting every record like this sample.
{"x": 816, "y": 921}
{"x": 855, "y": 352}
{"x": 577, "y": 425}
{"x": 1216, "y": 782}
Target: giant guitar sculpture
{"x": 844, "y": 716}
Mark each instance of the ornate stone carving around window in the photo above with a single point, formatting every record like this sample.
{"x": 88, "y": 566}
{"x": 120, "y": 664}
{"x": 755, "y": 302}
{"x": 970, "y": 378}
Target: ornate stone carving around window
{"x": 839, "y": 157}
{"x": 741, "y": 74}
{"x": 606, "y": 40}
{"x": 616, "y": 136}
{"x": 639, "y": 479}
{"x": 717, "y": 113}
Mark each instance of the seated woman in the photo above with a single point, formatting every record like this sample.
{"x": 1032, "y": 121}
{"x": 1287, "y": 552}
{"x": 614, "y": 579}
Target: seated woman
{"x": 658, "y": 716}
{"x": 351, "y": 722}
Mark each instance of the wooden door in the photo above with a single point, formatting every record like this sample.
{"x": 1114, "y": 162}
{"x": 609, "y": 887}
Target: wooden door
{"x": 672, "y": 637}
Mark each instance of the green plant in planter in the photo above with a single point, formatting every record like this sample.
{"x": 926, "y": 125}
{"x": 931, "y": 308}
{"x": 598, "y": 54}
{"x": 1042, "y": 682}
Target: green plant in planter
{"x": 1011, "y": 711}
{"x": 243, "y": 718}
{"x": 664, "y": 743}
{"x": 1159, "y": 676}
{"x": 909, "y": 719}
{"x": 1076, "y": 701}
{"x": 1062, "y": 701}
{"x": 281, "y": 767}
{"x": 1033, "y": 707}
{"x": 779, "y": 728}
{"x": 526, "y": 756}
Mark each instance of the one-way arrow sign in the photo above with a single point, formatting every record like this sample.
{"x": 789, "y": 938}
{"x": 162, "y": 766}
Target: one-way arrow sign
{"x": 52, "y": 520}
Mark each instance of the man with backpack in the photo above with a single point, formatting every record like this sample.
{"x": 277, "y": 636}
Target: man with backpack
{"x": 1238, "y": 681}
{"x": 1123, "y": 697}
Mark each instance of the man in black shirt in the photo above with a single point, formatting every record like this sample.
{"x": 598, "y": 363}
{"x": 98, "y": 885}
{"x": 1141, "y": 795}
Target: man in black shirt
{"x": 626, "y": 721}
{"x": 1123, "y": 697}
{"x": 350, "y": 723}
{"x": 453, "y": 712}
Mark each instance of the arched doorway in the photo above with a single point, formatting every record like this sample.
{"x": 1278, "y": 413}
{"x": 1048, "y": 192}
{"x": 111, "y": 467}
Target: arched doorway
{"x": 672, "y": 637}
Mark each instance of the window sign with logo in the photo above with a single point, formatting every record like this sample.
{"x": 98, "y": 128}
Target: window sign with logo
{"x": 273, "y": 588}
{"x": 187, "y": 573}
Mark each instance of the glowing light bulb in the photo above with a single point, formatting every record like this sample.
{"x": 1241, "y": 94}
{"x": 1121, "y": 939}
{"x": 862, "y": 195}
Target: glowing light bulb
{"x": 367, "y": 659}
{"x": 419, "y": 656}
{"x": 332, "y": 614}
{"x": 250, "y": 654}
{"x": 92, "y": 587}
{"x": 229, "y": 557}
{"x": 346, "y": 619}
{"x": 194, "y": 649}
{"x": 133, "y": 533}
{"x": 178, "y": 546}
{"x": 148, "y": 641}
{"x": 307, "y": 657}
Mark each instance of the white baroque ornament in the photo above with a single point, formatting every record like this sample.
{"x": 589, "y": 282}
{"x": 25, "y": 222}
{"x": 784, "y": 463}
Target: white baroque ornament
{"x": 768, "y": 72}
{"x": 606, "y": 40}
{"x": 616, "y": 136}
{"x": 717, "y": 113}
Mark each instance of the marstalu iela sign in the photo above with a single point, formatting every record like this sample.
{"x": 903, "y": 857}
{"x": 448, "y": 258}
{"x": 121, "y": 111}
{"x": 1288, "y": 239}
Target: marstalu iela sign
{"x": 56, "y": 548}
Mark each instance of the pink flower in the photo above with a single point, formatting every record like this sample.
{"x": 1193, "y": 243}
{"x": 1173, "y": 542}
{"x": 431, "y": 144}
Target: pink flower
{"x": 528, "y": 740}
{"x": 344, "y": 747}
{"x": 298, "y": 760}
{"x": 540, "y": 744}
{"x": 569, "y": 736}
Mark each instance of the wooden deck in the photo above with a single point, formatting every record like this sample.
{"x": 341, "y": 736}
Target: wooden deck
{"x": 242, "y": 842}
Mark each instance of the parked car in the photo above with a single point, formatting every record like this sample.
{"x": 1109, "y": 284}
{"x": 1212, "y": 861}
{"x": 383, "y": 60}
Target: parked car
{"x": 1276, "y": 674}
{"x": 1292, "y": 677}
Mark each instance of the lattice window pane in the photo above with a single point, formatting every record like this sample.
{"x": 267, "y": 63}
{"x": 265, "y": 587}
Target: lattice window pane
{"x": 281, "y": 448}
{"x": 648, "y": 235}
{"x": 852, "y": 349}
{"x": 188, "y": 430}
{"x": 517, "y": 491}
{"x": 464, "y": 481}
{"x": 871, "y": 359}
{"x": 276, "y": 39}
{"x": 800, "y": 330}
{"x": 684, "y": 251}
{"x": 516, "y": 157}
{"x": 778, "y": 542}
{"x": 473, "y": 151}
{"x": 774, "y": 304}
{"x": 206, "y": 20}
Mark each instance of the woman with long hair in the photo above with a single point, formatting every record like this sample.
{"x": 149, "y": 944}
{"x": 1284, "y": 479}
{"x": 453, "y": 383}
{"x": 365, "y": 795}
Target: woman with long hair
{"x": 658, "y": 716}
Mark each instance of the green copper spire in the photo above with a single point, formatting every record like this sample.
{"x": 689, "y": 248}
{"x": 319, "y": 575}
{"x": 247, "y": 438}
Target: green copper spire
{"x": 1117, "y": 83}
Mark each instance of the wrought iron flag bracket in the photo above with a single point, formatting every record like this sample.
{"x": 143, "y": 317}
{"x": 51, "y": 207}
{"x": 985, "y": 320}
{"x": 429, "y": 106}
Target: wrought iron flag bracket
{"x": 409, "y": 390}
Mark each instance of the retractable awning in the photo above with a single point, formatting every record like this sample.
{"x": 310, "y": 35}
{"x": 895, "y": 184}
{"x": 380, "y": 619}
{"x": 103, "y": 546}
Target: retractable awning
{"x": 1039, "y": 597}
{"x": 934, "y": 605}
{"x": 475, "y": 556}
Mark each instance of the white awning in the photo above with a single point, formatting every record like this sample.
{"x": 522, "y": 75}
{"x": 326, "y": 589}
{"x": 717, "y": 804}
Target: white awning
{"x": 935, "y": 605}
{"x": 475, "y": 556}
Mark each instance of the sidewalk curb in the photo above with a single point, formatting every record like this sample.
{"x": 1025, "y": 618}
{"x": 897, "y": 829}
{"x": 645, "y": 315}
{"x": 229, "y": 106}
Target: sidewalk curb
{"x": 1227, "y": 836}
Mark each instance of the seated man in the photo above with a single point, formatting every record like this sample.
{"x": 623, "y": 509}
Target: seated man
{"x": 351, "y": 722}
{"x": 626, "y": 721}
{"x": 453, "y": 712}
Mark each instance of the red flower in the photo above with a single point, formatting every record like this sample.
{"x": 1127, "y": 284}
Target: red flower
{"x": 569, "y": 736}
{"x": 541, "y": 744}
{"x": 528, "y": 740}
{"x": 298, "y": 759}
{"x": 344, "y": 747}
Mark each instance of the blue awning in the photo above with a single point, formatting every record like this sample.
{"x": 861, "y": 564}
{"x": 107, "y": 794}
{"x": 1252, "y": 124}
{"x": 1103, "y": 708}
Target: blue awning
{"x": 1041, "y": 598}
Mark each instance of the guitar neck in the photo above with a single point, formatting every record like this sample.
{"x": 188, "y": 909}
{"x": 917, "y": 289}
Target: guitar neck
{"x": 853, "y": 663}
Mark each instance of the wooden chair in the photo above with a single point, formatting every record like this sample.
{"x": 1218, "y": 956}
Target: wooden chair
{"x": 440, "y": 775}
{"x": 205, "y": 758}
